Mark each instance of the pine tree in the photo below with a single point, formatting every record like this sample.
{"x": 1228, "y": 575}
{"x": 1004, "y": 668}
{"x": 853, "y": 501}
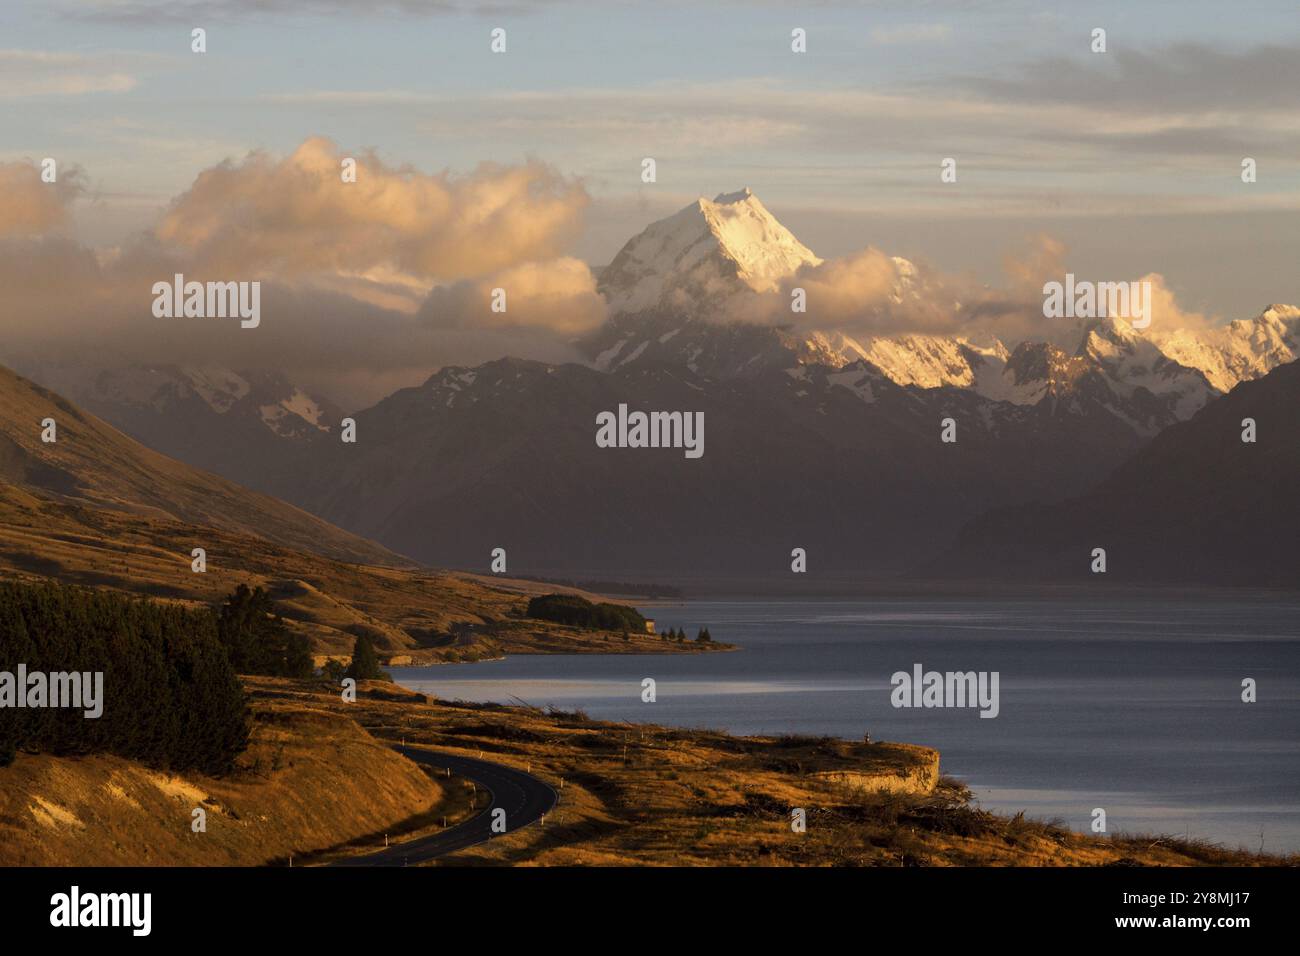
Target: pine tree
{"x": 257, "y": 639}
{"x": 365, "y": 665}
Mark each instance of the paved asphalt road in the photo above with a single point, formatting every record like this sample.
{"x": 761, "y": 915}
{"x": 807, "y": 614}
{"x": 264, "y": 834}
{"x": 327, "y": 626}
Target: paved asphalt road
{"x": 524, "y": 798}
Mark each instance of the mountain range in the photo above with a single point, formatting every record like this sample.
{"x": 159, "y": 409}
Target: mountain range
{"x": 814, "y": 439}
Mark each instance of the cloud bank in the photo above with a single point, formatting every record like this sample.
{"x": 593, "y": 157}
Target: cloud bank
{"x": 345, "y": 268}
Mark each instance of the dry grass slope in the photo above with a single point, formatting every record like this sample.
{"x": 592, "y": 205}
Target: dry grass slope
{"x": 309, "y": 780}
{"x": 93, "y": 464}
{"x": 426, "y": 616}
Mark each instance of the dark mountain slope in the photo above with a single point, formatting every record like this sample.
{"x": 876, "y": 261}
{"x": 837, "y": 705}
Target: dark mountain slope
{"x": 1196, "y": 505}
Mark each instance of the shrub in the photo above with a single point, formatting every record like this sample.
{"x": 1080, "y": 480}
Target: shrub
{"x": 365, "y": 665}
{"x": 579, "y": 612}
{"x": 334, "y": 671}
{"x": 257, "y": 639}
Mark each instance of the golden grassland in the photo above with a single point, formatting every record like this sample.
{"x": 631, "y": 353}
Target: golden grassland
{"x": 309, "y": 779}
{"x": 419, "y": 616}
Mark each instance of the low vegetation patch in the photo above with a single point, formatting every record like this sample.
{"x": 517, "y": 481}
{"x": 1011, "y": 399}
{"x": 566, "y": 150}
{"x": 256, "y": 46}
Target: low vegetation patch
{"x": 576, "y": 611}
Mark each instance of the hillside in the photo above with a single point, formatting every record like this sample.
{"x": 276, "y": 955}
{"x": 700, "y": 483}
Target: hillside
{"x": 308, "y": 780}
{"x": 844, "y": 463}
{"x": 1196, "y": 505}
{"x": 421, "y": 615}
{"x": 94, "y": 465}
{"x": 96, "y": 508}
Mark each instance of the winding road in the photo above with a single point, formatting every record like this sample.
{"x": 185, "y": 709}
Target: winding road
{"x": 524, "y": 798}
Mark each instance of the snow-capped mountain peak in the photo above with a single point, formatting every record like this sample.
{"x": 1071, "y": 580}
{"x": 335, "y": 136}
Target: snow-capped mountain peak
{"x": 1243, "y": 349}
{"x": 764, "y": 250}
{"x": 702, "y": 255}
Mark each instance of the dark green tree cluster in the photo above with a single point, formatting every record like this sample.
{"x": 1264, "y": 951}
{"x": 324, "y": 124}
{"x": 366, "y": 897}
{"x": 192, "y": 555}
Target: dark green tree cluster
{"x": 257, "y": 639}
{"x": 704, "y": 637}
{"x": 365, "y": 664}
{"x": 170, "y": 698}
{"x": 579, "y": 612}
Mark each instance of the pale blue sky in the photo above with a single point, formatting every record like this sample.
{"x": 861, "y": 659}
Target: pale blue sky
{"x": 1131, "y": 157}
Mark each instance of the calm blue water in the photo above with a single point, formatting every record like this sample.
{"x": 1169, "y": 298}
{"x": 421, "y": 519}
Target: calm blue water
{"x": 1130, "y": 706}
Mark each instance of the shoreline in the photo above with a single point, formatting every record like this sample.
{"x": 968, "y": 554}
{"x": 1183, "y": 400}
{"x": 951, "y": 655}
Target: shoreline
{"x": 566, "y": 746}
{"x": 630, "y": 795}
{"x": 716, "y": 648}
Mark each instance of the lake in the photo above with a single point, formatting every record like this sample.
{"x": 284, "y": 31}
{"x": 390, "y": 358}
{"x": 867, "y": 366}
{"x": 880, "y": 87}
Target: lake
{"x": 1133, "y": 706}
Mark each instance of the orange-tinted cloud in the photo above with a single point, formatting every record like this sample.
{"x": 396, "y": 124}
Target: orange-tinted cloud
{"x": 28, "y": 205}
{"x": 558, "y": 295}
{"x": 296, "y": 216}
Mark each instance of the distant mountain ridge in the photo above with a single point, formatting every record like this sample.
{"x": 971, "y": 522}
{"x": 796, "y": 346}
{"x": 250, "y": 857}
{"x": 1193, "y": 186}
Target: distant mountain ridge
{"x": 1243, "y": 350}
{"x": 843, "y": 462}
{"x": 234, "y": 423}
